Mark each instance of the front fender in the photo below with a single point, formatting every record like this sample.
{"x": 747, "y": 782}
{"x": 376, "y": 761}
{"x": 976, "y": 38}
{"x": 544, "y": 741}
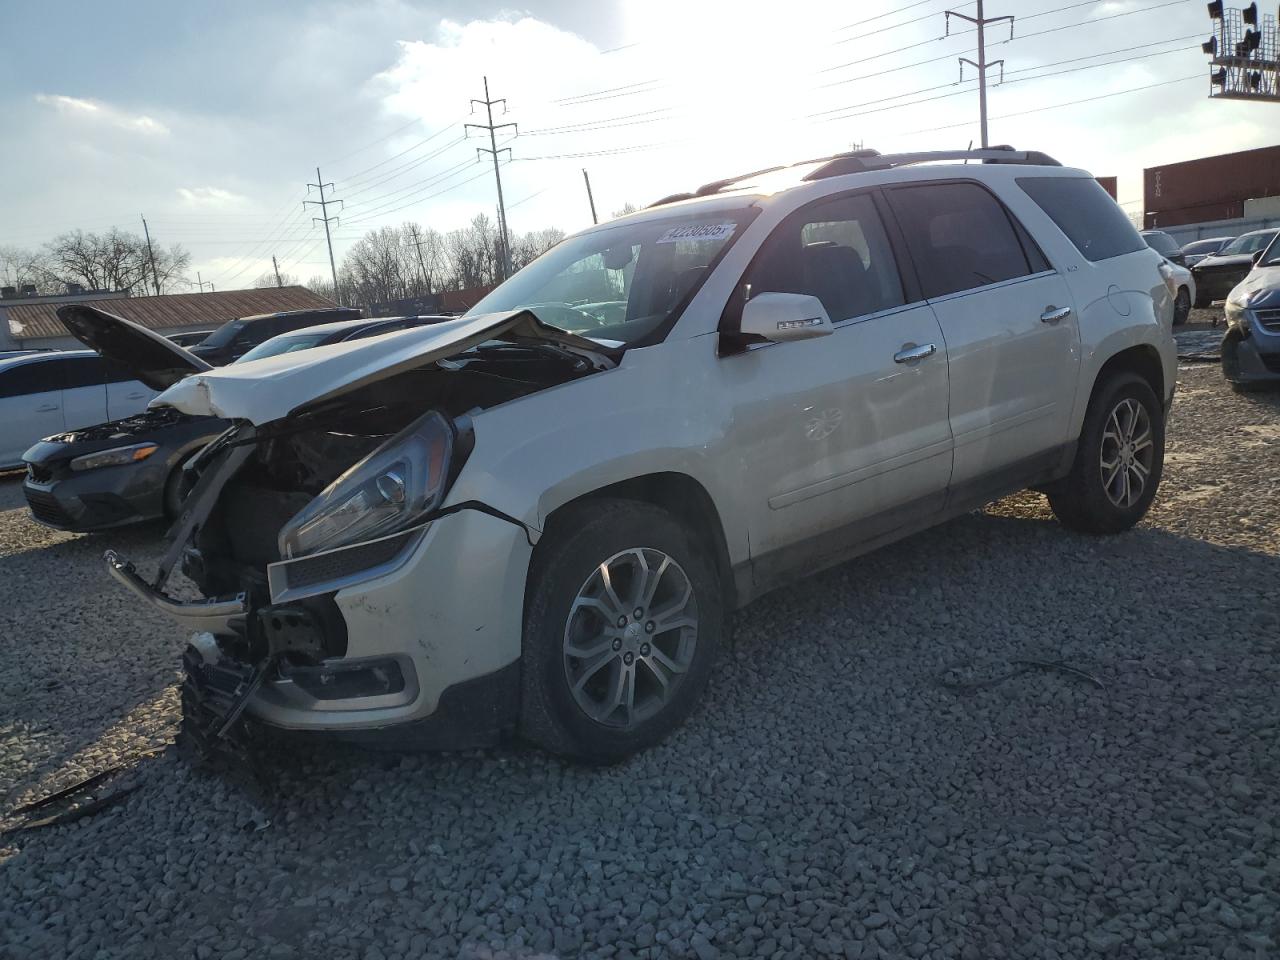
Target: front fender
{"x": 651, "y": 414}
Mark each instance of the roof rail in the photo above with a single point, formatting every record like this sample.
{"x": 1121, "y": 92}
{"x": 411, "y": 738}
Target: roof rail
{"x": 860, "y": 162}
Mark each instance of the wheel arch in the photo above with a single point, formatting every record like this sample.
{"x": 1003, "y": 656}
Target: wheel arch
{"x": 1142, "y": 359}
{"x": 680, "y": 495}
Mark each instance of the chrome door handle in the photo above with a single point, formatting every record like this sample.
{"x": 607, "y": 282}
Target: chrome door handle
{"x": 911, "y": 352}
{"x": 47, "y": 408}
{"x": 1054, "y": 314}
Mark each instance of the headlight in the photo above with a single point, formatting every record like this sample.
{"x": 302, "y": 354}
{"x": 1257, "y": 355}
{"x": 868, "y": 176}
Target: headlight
{"x": 389, "y": 489}
{"x": 114, "y": 457}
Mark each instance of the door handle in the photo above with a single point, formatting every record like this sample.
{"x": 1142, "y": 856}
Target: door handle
{"x": 1053, "y": 314}
{"x": 910, "y": 352}
{"x": 47, "y": 408}
{"x": 135, "y": 396}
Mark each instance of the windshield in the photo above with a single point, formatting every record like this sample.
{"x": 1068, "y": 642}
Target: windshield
{"x": 278, "y": 345}
{"x": 1271, "y": 258}
{"x": 1249, "y": 243}
{"x": 622, "y": 283}
{"x": 224, "y": 334}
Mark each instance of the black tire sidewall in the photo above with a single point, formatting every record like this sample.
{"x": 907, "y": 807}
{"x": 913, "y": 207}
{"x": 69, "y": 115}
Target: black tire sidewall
{"x": 1104, "y": 515}
{"x": 580, "y": 542}
{"x": 1180, "y": 316}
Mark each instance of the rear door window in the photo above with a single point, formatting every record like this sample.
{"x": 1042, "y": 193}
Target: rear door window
{"x": 81, "y": 372}
{"x": 960, "y": 237}
{"x": 1085, "y": 212}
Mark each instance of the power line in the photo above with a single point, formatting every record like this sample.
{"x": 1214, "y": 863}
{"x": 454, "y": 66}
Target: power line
{"x": 414, "y": 189}
{"x": 411, "y": 165}
{"x": 885, "y": 29}
{"x": 592, "y": 93}
{"x": 432, "y": 196}
{"x": 1069, "y": 103}
{"x": 354, "y": 178}
{"x": 881, "y": 16}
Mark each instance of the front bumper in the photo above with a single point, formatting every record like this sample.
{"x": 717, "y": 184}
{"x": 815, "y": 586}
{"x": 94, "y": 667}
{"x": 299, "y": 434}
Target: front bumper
{"x": 435, "y": 630}
{"x": 96, "y": 499}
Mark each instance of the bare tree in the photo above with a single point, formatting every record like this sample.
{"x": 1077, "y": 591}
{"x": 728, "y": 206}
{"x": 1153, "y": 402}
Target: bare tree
{"x": 627, "y": 208}
{"x": 268, "y": 279}
{"x": 20, "y": 267}
{"x": 115, "y": 260}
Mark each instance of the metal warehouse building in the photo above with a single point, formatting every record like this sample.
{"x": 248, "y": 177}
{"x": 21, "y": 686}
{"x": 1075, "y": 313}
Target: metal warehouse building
{"x": 32, "y": 321}
{"x": 1230, "y": 193}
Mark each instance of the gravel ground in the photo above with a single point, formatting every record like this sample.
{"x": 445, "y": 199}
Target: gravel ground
{"x": 835, "y": 795}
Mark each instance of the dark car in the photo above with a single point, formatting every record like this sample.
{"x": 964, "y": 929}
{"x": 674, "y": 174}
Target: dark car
{"x": 1197, "y": 250}
{"x": 1165, "y": 245}
{"x": 235, "y": 338}
{"x": 131, "y": 470}
{"x": 1216, "y": 276}
{"x": 189, "y": 339}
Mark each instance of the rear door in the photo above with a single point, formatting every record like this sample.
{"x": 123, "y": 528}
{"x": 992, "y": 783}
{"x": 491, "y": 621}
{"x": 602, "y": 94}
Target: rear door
{"x": 84, "y": 391}
{"x": 1008, "y": 321}
{"x": 30, "y": 406}
{"x": 838, "y": 433}
{"x": 125, "y": 394}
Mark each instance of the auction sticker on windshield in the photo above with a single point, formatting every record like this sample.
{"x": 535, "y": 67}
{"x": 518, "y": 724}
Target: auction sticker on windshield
{"x": 698, "y": 231}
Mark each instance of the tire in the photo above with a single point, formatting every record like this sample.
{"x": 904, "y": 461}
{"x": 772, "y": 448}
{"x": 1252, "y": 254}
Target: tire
{"x": 1231, "y": 361}
{"x": 568, "y": 611}
{"x": 1082, "y": 501}
{"x": 1181, "y": 306}
{"x": 1202, "y": 299}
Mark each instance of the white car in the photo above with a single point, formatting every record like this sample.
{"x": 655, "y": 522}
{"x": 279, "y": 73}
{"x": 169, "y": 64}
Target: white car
{"x": 46, "y": 393}
{"x": 537, "y": 518}
{"x": 1184, "y": 286}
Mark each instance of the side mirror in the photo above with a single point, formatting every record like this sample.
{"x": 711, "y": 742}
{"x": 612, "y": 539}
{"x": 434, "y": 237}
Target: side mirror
{"x": 785, "y": 316}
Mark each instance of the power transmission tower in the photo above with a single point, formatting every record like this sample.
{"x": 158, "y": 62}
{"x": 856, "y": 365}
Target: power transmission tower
{"x": 276, "y": 267}
{"x": 416, "y": 243}
{"x": 155, "y": 277}
{"x": 981, "y": 22}
{"x": 493, "y": 151}
{"x": 324, "y": 218}
{"x": 590, "y": 199}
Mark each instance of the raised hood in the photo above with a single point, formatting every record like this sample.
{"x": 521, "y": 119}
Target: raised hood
{"x": 272, "y": 388}
{"x": 155, "y": 360}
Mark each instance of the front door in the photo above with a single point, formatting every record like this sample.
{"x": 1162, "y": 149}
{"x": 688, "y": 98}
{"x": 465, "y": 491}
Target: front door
{"x": 838, "y": 434}
{"x": 1008, "y": 321}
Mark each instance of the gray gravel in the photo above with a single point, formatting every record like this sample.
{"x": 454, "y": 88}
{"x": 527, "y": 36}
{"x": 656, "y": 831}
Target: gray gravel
{"x": 830, "y": 798}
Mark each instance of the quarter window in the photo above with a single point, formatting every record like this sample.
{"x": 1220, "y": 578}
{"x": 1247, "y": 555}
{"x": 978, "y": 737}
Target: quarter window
{"x": 1085, "y": 212}
{"x": 960, "y": 237}
{"x": 836, "y": 251}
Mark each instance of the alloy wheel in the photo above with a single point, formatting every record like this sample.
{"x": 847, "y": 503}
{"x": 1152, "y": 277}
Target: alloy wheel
{"x": 630, "y": 636}
{"x": 1128, "y": 453}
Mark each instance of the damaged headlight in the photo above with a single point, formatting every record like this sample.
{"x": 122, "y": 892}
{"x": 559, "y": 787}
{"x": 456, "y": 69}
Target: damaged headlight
{"x": 114, "y": 457}
{"x": 389, "y": 489}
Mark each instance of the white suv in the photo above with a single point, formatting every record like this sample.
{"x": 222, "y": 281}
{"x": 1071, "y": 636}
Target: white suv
{"x": 537, "y": 518}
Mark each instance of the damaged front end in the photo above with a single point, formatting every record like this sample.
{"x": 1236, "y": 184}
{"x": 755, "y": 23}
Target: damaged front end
{"x": 288, "y": 524}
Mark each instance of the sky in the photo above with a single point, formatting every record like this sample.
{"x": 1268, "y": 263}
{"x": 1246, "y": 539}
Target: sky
{"x": 211, "y": 119}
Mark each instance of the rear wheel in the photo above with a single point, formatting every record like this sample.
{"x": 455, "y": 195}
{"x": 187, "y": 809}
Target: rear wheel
{"x": 1181, "y": 307}
{"x": 623, "y": 620}
{"x": 1119, "y": 459}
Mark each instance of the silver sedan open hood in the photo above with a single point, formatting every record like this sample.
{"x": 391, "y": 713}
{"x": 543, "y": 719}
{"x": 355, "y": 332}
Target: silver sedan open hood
{"x": 263, "y": 391}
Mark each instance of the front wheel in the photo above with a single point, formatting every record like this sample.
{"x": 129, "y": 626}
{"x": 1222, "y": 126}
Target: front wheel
{"x": 623, "y": 621}
{"x": 1119, "y": 459}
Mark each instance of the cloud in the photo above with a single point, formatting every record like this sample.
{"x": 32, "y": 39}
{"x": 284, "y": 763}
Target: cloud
{"x": 93, "y": 111}
{"x": 211, "y": 198}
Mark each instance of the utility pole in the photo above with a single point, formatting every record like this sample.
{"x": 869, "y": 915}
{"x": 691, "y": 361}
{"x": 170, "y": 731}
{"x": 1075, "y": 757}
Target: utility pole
{"x": 200, "y": 282}
{"x": 981, "y": 22}
{"x": 590, "y": 199}
{"x": 324, "y": 218}
{"x": 276, "y": 267}
{"x": 155, "y": 277}
{"x": 416, "y": 243}
{"x": 493, "y": 151}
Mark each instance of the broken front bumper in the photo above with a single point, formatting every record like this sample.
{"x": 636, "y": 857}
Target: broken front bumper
{"x": 437, "y": 626}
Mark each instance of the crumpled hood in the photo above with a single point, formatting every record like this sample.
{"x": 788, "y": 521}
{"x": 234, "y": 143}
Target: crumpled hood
{"x": 1266, "y": 280}
{"x": 272, "y": 388}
